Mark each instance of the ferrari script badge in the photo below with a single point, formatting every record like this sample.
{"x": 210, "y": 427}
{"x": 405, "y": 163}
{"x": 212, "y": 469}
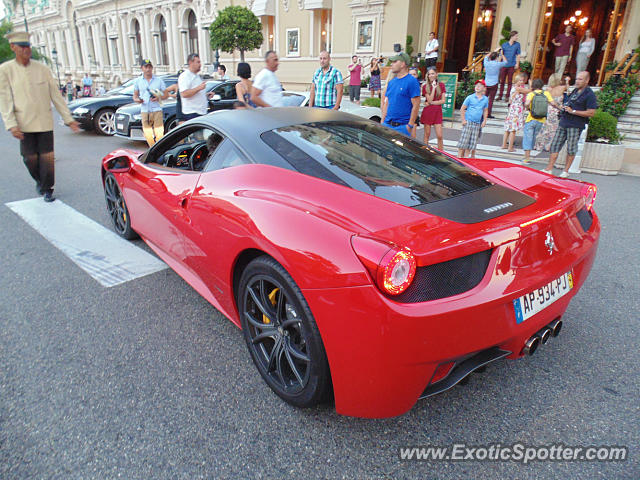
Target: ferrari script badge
{"x": 550, "y": 243}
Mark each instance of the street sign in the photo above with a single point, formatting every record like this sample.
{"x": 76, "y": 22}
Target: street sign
{"x": 450, "y": 81}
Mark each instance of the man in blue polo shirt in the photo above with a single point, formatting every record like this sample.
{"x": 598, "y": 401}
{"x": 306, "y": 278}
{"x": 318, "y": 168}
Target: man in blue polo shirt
{"x": 326, "y": 85}
{"x": 473, "y": 114}
{"x": 402, "y": 97}
{"x": 149, "y": 90}
{"x": 511, "y": 52}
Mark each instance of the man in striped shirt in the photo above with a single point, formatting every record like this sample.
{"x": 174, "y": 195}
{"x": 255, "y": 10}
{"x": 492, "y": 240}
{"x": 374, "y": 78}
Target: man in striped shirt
{"x": 327, "y": 85}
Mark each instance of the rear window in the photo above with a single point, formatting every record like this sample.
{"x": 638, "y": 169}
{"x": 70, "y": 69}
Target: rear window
{"x": 374, "y": 160}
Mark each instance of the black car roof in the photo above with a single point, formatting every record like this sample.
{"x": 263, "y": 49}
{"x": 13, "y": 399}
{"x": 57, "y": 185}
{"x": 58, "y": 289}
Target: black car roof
{"x": 255, "y": 121}
{"x": 244, "y": 126}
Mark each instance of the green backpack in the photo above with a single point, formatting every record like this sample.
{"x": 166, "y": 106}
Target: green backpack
{"x": 539, "y": 105}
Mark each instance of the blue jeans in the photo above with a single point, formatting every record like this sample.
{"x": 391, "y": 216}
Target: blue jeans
{"x": 400, "y": 128}
{"x": 326, "y": 108}
{"x": 531, "y": 130}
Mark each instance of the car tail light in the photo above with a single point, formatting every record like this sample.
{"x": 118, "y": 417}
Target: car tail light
{"x": 391, "y": 267}
{"x": 396, "y": 271}
{"x": 589, "y": 193}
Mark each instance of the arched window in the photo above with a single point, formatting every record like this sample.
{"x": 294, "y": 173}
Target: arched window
{"x": 193, "y": 32}
{"x": 164, "y": 56}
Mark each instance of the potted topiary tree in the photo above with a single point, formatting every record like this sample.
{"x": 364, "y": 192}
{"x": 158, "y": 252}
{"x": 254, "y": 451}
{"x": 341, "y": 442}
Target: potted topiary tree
{"x": 506, "y": 30}
{"x": 603, "y": 153}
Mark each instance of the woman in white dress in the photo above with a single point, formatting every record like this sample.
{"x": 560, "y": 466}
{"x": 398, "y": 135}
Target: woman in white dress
{"x": 585, "y": 50}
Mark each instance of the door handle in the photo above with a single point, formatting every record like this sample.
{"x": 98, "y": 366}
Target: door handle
{"x": 182, "y": 202}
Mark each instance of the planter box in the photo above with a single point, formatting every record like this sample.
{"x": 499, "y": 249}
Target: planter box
{"x": 599, "y": 158}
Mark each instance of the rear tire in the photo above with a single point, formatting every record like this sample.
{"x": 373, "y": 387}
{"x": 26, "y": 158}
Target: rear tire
{"x": 281, "y": 334}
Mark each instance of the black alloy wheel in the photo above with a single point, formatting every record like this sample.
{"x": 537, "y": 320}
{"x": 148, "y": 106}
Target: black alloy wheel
{"x": 105, "y": 122}
{"x": 117, "y": 208}
{"x": 281, "y": 334}
{"x": 170, "y": 125}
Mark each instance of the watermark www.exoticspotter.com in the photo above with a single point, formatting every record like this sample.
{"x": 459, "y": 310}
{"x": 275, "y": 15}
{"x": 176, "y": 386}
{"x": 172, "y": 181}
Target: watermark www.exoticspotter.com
{"x": 516, "y": 452}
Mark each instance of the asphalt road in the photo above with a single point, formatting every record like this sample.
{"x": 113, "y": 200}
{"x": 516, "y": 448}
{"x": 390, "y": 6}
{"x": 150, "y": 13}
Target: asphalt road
{"x": 146, "y": 380}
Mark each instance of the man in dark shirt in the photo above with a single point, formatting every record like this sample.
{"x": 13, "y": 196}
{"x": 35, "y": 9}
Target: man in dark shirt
{"x": 579, "y": 106}
{"x": 564, "y": 49}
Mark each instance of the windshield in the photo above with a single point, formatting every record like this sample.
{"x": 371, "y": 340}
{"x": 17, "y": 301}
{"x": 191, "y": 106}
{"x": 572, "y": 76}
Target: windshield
{"x": 292, "y": 100}
{"x": 374, "y": 160}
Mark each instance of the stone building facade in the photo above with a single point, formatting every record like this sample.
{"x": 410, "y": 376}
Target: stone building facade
{"x": 107, "y": 38}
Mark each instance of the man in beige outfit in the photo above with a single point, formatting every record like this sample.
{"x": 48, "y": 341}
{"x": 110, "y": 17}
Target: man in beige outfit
{"x": 28, "y": 89}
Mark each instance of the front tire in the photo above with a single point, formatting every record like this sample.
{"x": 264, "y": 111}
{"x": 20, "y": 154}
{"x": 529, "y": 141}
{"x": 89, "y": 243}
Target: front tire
{"x": 117, "y": 208}
{"x": 281, "y": 334}
{"x": 104, "y": 122}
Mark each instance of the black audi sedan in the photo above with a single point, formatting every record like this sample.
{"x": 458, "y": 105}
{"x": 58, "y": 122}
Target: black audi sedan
{"x": 98, "y": 113}
{"x": 128, "y": 121}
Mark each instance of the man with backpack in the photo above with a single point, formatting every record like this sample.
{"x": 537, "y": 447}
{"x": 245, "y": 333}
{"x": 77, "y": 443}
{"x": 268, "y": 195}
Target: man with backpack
{"x": 537, "y": 103}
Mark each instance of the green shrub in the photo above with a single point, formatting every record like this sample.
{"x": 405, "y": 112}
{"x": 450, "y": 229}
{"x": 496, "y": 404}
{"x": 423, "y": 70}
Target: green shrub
{"x": 364, "y": 82}
{"x": 371, "y": 102}
{"x": 526, "y": 67}
{"x": 603, "y": 127}
{"x": 611, "y": 66}
{"x": 616, "y": 93}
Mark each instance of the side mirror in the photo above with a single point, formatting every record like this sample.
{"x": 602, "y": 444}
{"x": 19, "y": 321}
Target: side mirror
{"x": 118, "y": 165}
{"x": 216, "y": 98}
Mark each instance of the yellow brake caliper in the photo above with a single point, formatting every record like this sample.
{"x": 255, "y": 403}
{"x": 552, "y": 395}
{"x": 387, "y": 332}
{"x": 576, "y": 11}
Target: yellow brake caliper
{"x": 272, "y": 299}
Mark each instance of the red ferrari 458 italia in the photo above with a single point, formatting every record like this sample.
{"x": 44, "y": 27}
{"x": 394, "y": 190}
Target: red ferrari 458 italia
{"x": 360, "y": 264}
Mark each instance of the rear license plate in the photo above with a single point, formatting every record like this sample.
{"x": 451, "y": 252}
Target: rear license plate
{"x": 120, "y": 126}
{"x": 528, "y": 305}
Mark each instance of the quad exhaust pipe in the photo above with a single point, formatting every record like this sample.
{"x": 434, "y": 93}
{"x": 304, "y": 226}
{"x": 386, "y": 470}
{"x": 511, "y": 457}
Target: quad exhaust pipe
{"x": 541, "y": 337}
{"x": 555, "y": 327}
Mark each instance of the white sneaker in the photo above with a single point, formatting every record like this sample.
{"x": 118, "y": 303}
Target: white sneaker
{"x": 564, "y": 175}
{"x": 547, "y": 171}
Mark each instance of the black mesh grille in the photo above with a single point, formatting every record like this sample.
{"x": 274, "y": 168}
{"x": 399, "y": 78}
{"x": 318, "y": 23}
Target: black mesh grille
{"x": 585, "y": 217}
{"x": 446, "y": 279}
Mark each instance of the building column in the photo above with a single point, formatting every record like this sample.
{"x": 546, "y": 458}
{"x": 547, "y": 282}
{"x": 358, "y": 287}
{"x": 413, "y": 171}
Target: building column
{"x": 52, "y": 41}
{"x": 123, "y": 44}
{"x": 156, "y": 47}
{"x": 84, "y": 33}
{"x": 147, "y": 44}
{"x": 71, "y": 49}
{"x": 312, "y": 35}
{"x": 205, "y": 48}
{"x": 171, "y": 28}
{"x": 97, "y": 39}
{"x": 74, "y": 54}
{"x": 184, "y": 41}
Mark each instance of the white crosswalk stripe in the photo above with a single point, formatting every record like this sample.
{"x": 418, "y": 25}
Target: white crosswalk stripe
{"x": 98, "y": 251}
